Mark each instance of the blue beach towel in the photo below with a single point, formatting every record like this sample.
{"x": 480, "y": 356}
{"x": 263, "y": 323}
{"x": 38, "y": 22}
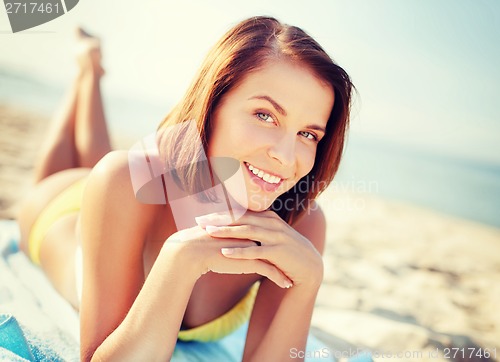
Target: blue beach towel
{"x": 37, "y": 324}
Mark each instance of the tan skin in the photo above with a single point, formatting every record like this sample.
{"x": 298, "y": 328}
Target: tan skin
{"x": 135, "y": 259}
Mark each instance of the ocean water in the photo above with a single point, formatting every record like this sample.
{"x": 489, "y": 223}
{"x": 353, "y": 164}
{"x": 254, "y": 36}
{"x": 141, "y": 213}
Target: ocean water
{"x": 443, "y": 182}
{"x": 126, "y": 116}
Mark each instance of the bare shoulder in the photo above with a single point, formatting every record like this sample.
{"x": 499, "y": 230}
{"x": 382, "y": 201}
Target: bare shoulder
{"x": 114, "y": 227}
{"x": 313, "y": 226}
{"x": 112, "y": 168}
{"x": 111, "y": 178}
{"x": 110, "y": 194}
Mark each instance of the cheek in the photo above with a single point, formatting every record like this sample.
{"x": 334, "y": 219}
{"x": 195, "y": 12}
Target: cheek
{"x": 231, "y": 129}
{"x": 305, "y": 162}
{"x": 307, "y": 156}
{"x": 220, "y": 139}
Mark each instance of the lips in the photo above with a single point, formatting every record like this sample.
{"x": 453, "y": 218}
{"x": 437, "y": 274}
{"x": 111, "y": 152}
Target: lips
{"x": 273, "y": 182}
{"x": 264, "y": 175}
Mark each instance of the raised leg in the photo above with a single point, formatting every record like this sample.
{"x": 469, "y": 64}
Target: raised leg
{"x": 79, "y": 136}
{"x": 91, "y": 133}
{"x": 58, "y": 150}
{"x": 76, "y": 142}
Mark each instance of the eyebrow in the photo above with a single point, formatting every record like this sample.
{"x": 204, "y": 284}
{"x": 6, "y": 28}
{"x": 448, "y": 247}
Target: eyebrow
{"x": 275, "y": 104}
{"x": 316, "y": 127}
{"x": 281, "y": 110}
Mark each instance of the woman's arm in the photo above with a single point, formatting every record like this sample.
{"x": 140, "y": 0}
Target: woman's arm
{"x": 281, "y": 318}
{"x": 280, "y": 323}
{"x": 123, "y": 317}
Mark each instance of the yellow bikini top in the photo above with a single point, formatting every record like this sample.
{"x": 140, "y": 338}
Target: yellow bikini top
{"x": 225, "y": 324}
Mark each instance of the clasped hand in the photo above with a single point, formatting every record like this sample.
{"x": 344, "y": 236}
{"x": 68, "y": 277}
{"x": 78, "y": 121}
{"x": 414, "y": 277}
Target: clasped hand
{"x": 262, "y": 243}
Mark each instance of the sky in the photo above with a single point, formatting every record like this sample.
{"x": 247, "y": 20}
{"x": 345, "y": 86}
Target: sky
{"x": 427, "y": 72}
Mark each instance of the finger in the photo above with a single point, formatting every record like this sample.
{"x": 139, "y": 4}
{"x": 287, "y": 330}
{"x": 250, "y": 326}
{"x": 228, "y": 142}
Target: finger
{"x": 271, "y": 272}
{"x": 249, "y": 253}
{"x": 247, "y": 231}
{"x": 236, "y": 243}
{"x": 256, "y": 266}
{"x": 218, "y": 218}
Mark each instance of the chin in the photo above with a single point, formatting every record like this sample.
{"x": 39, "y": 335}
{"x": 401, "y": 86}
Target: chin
{"x": 258, "y": 208}
{"x": 259, "y": 204}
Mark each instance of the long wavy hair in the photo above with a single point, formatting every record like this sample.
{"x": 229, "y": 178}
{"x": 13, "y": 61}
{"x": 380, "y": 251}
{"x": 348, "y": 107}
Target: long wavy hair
{"x": 243, "y": 49}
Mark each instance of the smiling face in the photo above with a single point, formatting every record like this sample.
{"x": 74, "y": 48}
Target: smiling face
{"x": 271, "y": 123}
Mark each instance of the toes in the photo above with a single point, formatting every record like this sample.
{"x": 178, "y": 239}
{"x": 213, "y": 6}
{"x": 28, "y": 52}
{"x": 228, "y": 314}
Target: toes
{"x": 81, "y": 33}
{"x": 88, "y": 51}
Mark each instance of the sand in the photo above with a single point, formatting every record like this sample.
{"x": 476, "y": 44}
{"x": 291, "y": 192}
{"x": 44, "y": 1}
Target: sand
{"x": 21, "y": 134}
{"x": 404, "y": 282}
{"x": 402, "y": 279}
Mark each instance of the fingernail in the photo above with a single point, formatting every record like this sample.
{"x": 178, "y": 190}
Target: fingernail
{"x": 219, "y": 219}
{"x": 226, "y": 251}
{"x": 211, "y": 228}
{"x": 200, "y": 220}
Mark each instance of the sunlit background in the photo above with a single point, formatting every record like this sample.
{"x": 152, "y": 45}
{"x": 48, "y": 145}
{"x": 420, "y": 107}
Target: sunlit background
{"x": 425, "y": 123}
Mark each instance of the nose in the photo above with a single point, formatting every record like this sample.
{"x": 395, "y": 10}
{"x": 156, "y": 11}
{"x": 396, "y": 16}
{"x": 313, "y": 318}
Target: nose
{"x": 283, "y": 150}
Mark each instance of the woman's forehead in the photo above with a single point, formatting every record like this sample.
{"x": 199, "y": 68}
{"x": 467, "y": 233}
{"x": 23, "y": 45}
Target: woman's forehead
{"x": 292, "y": 86}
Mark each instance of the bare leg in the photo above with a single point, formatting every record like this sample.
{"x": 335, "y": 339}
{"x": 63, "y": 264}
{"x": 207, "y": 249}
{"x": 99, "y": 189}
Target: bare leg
{"x": 91, "y": 133}
{"x": 58, "y": 151}
{"x": 79, "y": 137}
{"x": 76, "y": 142}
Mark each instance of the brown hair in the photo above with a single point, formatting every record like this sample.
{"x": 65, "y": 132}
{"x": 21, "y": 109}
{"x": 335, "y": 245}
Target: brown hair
{"x": 243, "y": 49}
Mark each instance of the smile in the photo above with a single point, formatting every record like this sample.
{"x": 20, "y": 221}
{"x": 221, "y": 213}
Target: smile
{"x": 271, "y": 179}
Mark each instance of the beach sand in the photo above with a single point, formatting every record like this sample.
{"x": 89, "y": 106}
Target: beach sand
{"x": 399, "y": 279}
{"x": 21, "y": 134}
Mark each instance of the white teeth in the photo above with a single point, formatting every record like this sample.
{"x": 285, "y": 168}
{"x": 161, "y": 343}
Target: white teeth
{"x": 263, "y": 175}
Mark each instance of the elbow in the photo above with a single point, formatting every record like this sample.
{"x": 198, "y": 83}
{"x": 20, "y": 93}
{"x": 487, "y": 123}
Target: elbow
{"x": 89, "y": 355}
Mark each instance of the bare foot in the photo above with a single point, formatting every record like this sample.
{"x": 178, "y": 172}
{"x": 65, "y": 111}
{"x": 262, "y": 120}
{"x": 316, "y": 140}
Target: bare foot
{"x": 88, "y": 52}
